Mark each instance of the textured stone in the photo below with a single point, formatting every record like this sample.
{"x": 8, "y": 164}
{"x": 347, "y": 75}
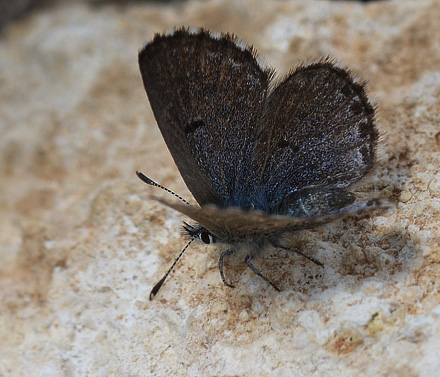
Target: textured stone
{"x": 81, "y": 245}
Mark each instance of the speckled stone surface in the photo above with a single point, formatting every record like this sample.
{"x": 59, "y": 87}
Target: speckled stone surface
{"x": 81, "y": 245}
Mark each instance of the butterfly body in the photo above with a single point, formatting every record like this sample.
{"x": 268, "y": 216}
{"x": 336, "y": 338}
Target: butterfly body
{"x": 260, "y": 158}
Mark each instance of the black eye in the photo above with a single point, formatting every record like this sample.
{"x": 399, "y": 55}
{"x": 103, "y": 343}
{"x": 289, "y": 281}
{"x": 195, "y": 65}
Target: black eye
{"x": 206, "y": 237}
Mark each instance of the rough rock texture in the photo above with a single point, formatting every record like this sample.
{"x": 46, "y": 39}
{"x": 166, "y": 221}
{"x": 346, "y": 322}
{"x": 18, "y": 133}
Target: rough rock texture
{"x": 81, "y": 245}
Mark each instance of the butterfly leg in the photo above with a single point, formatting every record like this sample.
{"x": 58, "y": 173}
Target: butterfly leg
{"x": 225, "y": 254}
{"x": 259, "y": 273}
{"x": 311, "y": 259}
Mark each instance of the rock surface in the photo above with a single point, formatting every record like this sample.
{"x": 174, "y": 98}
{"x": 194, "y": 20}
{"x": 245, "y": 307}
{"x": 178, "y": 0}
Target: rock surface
{"x": 81, "y": 245}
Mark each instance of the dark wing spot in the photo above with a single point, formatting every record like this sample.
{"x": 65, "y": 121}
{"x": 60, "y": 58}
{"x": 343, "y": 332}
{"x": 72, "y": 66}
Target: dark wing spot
{"x": 283, "y": 143}
{"x": 346, "y": 91}
{"x": 193, "y": 126}
{"x": 357, "y": 108}
{"x": 261, "y": 137}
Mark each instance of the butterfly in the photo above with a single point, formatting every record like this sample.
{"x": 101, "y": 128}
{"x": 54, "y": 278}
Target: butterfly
{"x": 262, "y": 157}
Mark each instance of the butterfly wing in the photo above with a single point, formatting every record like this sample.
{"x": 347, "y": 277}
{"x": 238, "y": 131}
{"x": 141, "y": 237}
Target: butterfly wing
{"x": 317, "y": 132}
{"x": 291, "y": 152}
{"x": 207, "y": 94}
{"x": 232, "y": 224}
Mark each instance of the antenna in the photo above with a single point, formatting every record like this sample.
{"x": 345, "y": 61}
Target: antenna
{"x": 159, "y": 284}
{"x": 150, "y": 182}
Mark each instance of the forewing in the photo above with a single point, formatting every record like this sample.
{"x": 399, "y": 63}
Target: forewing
{"x": 317, "y": 130}
{"x": 207, "y": 94}
{"x": 235, "y": 223}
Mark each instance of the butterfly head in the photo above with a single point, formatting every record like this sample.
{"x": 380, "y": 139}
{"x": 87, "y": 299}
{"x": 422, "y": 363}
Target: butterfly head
{"x": 198, "y": 232}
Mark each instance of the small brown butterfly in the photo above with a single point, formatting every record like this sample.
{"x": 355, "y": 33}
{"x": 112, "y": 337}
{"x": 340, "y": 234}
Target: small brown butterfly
{"x": 261, "y": 158}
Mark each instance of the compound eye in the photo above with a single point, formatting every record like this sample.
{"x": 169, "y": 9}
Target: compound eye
{"x": 206, "y": 237}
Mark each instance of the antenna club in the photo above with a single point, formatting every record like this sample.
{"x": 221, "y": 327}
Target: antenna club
{"x": 159, "y": 284}
{"x": 145, "y": 179}
{"x": 150, "y": 182}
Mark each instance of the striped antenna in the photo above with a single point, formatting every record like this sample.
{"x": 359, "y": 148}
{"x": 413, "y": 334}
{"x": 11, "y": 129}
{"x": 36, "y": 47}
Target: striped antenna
{"x": 159, "y": 284}
{"x": 150, "y": 182}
